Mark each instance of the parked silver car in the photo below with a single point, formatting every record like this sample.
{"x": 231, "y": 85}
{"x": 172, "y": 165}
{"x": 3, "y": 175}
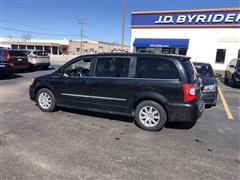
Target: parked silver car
{"x": 38, "y": 59}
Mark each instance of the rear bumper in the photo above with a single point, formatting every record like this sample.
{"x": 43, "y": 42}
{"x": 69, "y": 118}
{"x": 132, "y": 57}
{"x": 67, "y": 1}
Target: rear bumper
{"x": 185, "y": 112}
{"x": 21, "y": 67}
{"x": 40, "y": 64}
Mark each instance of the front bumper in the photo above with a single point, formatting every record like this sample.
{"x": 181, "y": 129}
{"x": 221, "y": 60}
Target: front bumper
{"x": 210, "y": 98}
{"x": 236, "y": 80}
{"x": 185, "y": 112}
{"x": 32, "y": 93}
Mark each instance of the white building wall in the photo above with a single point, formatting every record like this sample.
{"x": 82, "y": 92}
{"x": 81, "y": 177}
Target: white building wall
{"x": 203, "y": 42}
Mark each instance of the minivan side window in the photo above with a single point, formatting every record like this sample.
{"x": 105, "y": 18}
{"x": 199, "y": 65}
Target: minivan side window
{"x": 112, "y": 67}
{"x": 156, "y": 68}
{"x": 80, "y": 68}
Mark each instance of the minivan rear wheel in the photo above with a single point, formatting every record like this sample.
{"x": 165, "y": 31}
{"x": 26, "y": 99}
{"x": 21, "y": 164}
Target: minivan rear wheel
{"x": 46, "y": 100}
{"x": 150, "y": 115}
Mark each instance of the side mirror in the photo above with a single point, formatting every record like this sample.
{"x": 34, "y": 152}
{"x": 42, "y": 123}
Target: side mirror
{"x": 231, "y": 66}
{"x": 59, "y": 72}
{"x": 65, "y": 75}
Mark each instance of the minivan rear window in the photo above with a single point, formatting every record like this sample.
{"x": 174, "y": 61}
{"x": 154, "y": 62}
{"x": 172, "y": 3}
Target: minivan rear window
{"x": 156, "y": 68}
{"x": 40, "y": 53}
{"x": 191, "y": 71}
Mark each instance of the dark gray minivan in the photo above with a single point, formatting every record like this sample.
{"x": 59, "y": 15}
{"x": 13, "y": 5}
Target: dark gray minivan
{"x": 152, "y": 88}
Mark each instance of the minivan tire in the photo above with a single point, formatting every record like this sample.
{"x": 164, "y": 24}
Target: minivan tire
{"x": 46, "y": 100}
{"x": 150, "y": 115}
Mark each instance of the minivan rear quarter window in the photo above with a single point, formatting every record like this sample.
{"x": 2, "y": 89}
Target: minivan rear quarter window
{"x": 112, "y": 67}
{"x": 156, "y": 68}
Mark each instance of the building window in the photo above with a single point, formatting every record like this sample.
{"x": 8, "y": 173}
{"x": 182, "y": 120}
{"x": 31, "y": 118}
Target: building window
{"x": 39, "y": 48}
{"x": 91, "y": 51}
{"x": 145, "y": 50}
{"x": 183, "y": 51}
{"x": 220, "y": 57}
{"x": 55, "y": 50}
{"x": 47, "y": 49}
{"x": 168, "y": 50}
{"x": 85, "y": 51}
{"x": 22, "y": 47}
{"x": 78, "y": 49}
{"x": 30, "y": 47}
{"x": 14, "y": 46}
{"x": 100, "y": 49}
{"x": 239, "y": 53}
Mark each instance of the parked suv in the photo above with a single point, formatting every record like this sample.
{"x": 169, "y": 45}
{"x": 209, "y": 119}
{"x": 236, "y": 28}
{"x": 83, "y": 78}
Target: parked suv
{"x": 210, "y": 85}
{"x": 6, "y": 68}
{"x": 153, "y": 88}
{"x": 38, "y": 59}
{"x": 16, "y": 58}
{"x": 232, "y": 73}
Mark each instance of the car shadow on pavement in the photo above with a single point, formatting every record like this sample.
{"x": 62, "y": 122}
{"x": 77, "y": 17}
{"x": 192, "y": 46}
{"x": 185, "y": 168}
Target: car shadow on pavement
{"x": 180, "y": 125}
{"x": 128, "y": 119}
{"x": 14, "y": 76}
{"x": 111, "y": 117}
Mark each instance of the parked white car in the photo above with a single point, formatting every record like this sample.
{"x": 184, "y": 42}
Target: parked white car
{"x": 38, "y": 59}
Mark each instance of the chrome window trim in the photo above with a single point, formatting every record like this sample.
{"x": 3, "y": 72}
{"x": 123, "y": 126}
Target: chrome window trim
{"x": 94, "y": 97}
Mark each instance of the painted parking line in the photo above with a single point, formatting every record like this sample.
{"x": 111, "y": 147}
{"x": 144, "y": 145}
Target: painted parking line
{"x": 225, "y": 105}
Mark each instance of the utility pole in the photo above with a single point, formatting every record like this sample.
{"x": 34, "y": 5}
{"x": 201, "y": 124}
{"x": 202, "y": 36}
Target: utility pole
{"x": 123, "y": 21}
{"x": 82, "y": 22}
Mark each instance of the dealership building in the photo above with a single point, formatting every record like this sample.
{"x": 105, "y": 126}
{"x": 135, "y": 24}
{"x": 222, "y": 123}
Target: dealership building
{"x": 205, "y": 35}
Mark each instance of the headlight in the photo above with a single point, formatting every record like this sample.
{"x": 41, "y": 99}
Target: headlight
{"x": 33, "y": 81}
{"x": 209, "y": 88}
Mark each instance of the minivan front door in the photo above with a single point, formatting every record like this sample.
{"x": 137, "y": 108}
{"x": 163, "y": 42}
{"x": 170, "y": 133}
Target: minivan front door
{"x": 74, "y": 87}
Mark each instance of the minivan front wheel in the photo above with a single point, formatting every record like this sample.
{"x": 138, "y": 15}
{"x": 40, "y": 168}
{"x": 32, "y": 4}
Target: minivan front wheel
{"x": 46, "y": 100}
{"x": 150, "y": 115}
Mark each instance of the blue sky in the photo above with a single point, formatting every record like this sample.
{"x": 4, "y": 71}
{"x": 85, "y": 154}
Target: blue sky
{"x": 59, "y": 18}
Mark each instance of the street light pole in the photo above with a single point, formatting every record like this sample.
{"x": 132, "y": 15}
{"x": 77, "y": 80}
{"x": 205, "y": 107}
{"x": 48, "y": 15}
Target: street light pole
{"x": 123, "y": 21}
{"x": 82, "y": 22}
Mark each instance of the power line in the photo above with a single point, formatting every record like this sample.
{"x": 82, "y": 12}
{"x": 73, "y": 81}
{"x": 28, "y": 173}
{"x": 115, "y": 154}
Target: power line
{"x": 28, "y": 25}
{"x": 40, "y": 33}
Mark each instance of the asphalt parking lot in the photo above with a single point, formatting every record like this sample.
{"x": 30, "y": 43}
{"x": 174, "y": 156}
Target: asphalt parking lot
{"x": 70, "y": 144}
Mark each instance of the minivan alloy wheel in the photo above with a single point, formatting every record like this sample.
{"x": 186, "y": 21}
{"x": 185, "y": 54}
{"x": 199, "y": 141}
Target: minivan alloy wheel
{"x": 149, "y": 116}
{"x": 44, "y": 100}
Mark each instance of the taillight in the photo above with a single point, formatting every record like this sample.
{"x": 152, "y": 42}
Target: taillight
{"x": 33, "y": 56}
{"x": 189, "y": 92}
{"x": 7, "y": 55}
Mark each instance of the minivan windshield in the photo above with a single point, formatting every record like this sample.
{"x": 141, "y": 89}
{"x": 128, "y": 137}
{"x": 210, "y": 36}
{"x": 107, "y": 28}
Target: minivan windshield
{"x": 204, "y": 69}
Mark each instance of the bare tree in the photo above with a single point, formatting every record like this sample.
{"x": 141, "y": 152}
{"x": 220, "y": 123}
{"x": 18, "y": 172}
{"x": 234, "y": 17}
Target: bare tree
{"x": 27, "y": 36}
